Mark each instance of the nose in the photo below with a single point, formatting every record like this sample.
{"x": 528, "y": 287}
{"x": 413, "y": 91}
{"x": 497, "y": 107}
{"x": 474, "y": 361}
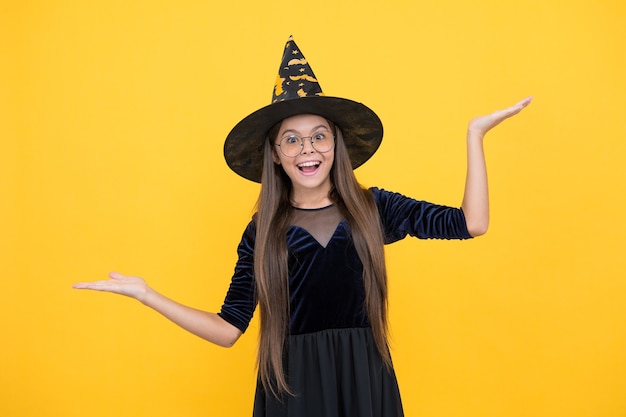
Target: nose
{"x": 307, "y": 145}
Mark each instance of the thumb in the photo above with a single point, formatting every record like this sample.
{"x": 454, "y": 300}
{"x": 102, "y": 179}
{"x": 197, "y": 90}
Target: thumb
{"x": 116, "y": 275}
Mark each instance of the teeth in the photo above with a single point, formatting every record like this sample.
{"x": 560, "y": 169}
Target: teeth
{"x": 308, "y": 164}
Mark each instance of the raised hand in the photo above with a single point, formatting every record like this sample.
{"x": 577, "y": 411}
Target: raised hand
{"x": 134, "y": 287}
{"x": 476, "y": 198}
{"x": 482, "y": 124}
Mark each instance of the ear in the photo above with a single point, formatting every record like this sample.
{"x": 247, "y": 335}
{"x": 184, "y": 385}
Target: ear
{"x": 275, "y": 157}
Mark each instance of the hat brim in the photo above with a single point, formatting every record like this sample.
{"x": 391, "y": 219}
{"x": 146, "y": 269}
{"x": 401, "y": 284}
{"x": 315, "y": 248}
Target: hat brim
{"x": 361, "y": 128}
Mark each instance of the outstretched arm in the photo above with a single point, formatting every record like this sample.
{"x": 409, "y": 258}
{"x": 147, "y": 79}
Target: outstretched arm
{"x": 476, "y": 198}
{"x": 208, "y": 326}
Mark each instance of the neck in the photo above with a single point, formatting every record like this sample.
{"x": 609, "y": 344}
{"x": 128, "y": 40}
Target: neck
{"x": 311, "y": 198}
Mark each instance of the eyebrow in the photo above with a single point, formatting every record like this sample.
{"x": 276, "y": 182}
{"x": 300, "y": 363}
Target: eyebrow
{"x": 313, "y": 129}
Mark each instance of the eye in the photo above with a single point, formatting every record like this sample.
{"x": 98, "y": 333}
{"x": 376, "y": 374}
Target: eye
{"x": 291, "y": 140}
{"x": 319, "y": 136}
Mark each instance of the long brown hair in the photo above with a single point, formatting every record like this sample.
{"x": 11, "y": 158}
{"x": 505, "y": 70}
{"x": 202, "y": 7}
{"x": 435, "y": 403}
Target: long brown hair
{"x": 270, "y": 256}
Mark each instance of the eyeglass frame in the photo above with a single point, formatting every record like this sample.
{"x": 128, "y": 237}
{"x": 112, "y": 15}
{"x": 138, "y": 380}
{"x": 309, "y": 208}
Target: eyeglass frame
{"x": 302, "y": 138}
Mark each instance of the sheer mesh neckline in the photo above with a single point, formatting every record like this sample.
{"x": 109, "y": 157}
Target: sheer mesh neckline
{"x": 321, "y": 223}
{"x": 313, "y": 209}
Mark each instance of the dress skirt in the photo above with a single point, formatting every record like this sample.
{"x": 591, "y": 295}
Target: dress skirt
{"x": 334, "y": 373}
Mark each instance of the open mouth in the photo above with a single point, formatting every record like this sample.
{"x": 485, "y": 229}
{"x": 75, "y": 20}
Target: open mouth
{"x": 309, "y": 166}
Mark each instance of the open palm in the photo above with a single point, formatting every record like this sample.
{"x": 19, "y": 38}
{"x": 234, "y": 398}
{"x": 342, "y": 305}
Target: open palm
{"x": 482, "y": 124}
{"x": 119, "y": 284}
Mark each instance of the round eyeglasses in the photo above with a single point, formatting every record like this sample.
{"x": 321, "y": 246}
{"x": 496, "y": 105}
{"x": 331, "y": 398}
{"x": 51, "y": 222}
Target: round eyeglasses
{"x": 292, "y": 145}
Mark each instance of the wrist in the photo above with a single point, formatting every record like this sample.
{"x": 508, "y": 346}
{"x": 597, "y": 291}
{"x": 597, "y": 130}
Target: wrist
{"x": 147, "y": 296}
{"x": 475, "y": 135}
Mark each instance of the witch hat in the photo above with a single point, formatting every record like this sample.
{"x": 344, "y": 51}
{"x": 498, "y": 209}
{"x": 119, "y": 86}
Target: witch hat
{"x": 297, "y": 91}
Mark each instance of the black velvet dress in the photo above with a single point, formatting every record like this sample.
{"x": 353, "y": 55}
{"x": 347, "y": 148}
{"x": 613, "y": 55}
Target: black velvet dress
{"x": 331, "y": 360}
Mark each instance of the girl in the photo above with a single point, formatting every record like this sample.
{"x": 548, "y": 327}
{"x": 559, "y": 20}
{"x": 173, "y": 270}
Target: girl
{"x": 312, "y": 256}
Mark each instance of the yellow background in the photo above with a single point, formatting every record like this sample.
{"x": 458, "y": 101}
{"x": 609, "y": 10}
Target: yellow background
{"x": 112, "y": 124}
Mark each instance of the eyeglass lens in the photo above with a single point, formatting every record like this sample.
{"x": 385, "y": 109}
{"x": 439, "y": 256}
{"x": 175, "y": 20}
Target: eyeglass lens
{"x": 293, "y": 145}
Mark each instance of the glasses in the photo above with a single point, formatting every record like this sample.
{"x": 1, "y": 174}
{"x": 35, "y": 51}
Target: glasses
{"x": 292, "y": 144}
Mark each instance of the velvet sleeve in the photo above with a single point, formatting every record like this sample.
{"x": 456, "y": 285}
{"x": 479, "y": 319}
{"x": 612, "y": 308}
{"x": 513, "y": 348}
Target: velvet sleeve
{"x": 402, "y": 216}
{"x": 240, "y": 300}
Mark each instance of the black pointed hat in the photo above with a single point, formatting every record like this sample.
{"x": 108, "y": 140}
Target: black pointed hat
{"x": 297, "y": 91}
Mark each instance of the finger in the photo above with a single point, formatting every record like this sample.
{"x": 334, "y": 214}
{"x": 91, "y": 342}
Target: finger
{"x": 116, "y": 275}
{"x": 526, "y": 101}
{"x": 513, "y": 110}
{"x": 520, "y": 105}
{"x": 96, "y": 285}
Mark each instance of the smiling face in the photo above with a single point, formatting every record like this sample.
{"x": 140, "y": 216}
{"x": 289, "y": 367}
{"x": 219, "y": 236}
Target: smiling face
{"x": 309, "y": 171}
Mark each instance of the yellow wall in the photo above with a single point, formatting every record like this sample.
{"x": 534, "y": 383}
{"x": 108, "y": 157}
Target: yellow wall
{"x": 112, "y": 123}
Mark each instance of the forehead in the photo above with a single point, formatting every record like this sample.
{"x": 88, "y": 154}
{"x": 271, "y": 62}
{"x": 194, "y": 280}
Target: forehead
{"x": 303, "y": 122}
